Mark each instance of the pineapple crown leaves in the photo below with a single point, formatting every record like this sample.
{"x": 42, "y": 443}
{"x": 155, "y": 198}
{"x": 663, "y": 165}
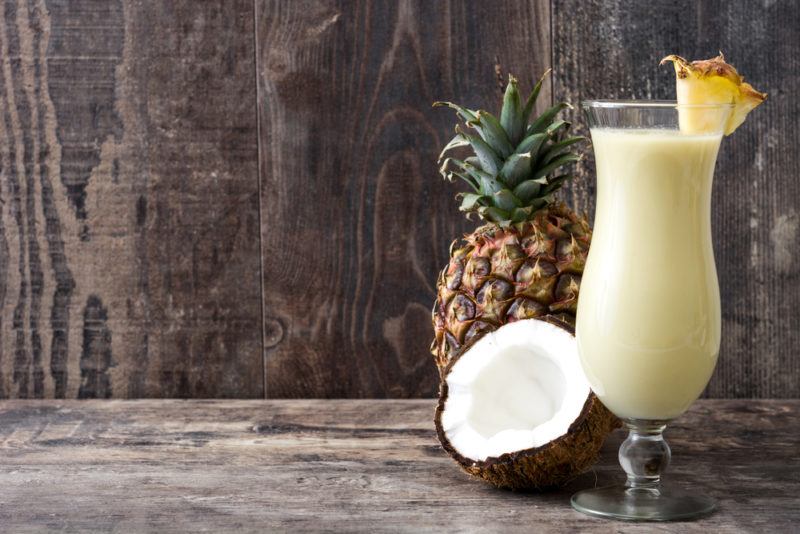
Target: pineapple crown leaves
{"x": 513, "y": 172}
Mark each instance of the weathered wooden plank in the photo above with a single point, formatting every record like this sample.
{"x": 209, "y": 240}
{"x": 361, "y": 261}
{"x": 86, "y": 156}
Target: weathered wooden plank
{"x": 348, "y": 466}
{"x": 611, "y": 49}
{"x": 129, "y": 258}
{"x": 356, "y": 220}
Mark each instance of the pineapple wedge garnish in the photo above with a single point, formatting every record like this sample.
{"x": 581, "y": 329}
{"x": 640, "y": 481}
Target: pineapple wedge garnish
{"x": 712, "y": 81}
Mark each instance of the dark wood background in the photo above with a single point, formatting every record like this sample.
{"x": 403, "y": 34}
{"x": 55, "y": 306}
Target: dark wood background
{"x": 239, "y": 198}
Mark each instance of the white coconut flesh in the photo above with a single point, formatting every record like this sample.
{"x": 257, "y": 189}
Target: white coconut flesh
{"x": 516, "y": 388}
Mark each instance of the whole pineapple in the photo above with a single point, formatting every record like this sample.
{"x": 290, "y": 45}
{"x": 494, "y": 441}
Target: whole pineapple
{"x": 527, "y": 260}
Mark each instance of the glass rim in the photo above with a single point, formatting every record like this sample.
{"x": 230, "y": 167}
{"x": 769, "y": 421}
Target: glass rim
{"x": 649, "y": 104}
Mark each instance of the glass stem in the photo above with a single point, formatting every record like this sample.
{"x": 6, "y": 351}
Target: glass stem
{"x": 645, "y": 454}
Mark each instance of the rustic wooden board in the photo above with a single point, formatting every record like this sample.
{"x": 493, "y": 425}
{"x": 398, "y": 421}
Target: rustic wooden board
{"x": 129, "y": 258}
{"x": 356, "y": 221}
{"x": 130, "y": 237}
{"x": 611, "y": 49}
{"x": 348, "y": 466}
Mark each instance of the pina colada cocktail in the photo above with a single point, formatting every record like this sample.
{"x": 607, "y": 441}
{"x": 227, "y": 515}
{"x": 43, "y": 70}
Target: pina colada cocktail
{"x": 648, "y": 321}
{"x": 649, "y": 316}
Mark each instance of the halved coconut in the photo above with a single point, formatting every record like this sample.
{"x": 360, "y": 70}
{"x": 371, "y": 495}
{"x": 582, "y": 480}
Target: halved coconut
{"x": 516, "y": 409}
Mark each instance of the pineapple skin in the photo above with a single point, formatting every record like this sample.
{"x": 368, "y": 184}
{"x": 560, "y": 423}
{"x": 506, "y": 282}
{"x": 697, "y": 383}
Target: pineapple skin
{"x": 500, "y": 274}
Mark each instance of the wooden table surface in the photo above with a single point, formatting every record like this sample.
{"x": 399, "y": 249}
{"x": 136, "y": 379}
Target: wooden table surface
{"x": 369, "y": 465}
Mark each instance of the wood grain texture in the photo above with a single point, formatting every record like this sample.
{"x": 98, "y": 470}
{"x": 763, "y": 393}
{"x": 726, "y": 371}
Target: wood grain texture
{"x": 130, "y": 237}
{"x": 349, "y": 466}
{"x": 356, "y": 219}
{"x": 611, "y": 49}
{"x": 129, "y": 261}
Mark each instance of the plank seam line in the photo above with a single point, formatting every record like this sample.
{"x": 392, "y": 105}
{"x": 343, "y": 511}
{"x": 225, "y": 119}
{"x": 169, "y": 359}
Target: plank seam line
{"x": 263, "y": 355}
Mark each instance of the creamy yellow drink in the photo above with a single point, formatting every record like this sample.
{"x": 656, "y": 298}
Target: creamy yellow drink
{"x": 648, "y": 322}
{"x": 648, "y": 317}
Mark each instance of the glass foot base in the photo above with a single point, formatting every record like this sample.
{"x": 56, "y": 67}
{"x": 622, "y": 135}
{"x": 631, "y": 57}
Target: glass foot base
{"x": 642, "y": 504}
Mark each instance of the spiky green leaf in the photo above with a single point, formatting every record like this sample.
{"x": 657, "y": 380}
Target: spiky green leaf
{"x": 543, "y": 121}
{"x": 449, "y": 173}
{"x": 555, "y": 184}
{"x": 521, "y": 214}
{"x": 457, "y": 141}
{"x": 490, "y": 161}
{"x": 508, "y": 173}
{"x": 471, "y": 201}
{"x": 494, "y": 214}
{"x": 517, "y": 167}
{"x": 463, "y": 172}
{"x": 527, "y": 190}
{"x": 493, "y": 133}
{"x": 477, "y": 173}
{"x": 543, "y": 171}
{"x": 531, "y": 144}
{"x": 531, "y": 102}
{"x": 511, "y": 114}
{"x": 505, "y": 200}
{"x": 539, "y": 203}
{"x": 464, "y": 113}
{"x": 474, "y": 161}
{"x": 444, "y": 168}
{"x": 467, "y": 178}
{"x": 552, "y": 130}
{"x": 557, "y": 149}
{"x": 489, "y": 186}
{"x": 551, "y": 156}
